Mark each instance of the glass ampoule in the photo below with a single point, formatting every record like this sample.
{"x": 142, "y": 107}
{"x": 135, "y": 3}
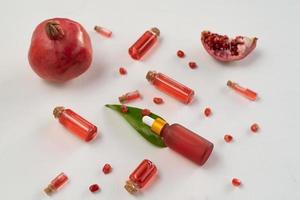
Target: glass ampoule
{"x": 144, "y": 43}
{"x": 141, "y": 176}
{"x": 75, "y": 123}
{"x": 181, "y": 140}
{"x": 249, "y": 94}
{"x": 129, "y": 96}
{"x": 56, "y": 183}
{"x": 170, "y": 86}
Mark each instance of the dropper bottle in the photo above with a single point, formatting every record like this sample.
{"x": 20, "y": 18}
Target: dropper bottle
{"x": 181, "y": 140}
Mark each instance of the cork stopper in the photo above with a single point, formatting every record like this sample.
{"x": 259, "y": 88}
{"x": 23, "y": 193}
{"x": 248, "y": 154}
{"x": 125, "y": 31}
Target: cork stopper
{"x": 155, "y": 31}
{"x": 230, "y": 83}
{"x": 122, "y": 98}
{"x": 150, "y": 76}
{"x": 57, "y": 111}
{"x": 49, "y": 190}
{"x": 131, "y": 187}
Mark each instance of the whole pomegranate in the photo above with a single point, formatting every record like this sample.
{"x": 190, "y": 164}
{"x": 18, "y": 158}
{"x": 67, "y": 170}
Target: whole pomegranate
{"x": 225, "y": 49}
{"x": 60, "y": 50}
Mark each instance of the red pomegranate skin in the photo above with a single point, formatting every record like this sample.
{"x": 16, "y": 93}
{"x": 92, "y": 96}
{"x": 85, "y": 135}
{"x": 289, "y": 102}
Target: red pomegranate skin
{"x": 60, "y": 50}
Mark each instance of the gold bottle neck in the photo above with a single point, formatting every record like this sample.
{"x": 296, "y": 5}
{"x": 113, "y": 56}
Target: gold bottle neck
{"x": 158, "y": 125}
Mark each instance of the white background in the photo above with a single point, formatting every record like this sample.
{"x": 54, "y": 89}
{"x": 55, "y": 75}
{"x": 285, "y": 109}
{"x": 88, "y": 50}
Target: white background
{"x": 34, "y": 147}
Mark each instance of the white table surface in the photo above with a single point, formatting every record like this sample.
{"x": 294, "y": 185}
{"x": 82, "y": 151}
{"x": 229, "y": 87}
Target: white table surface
{"x": 34, "y": 147}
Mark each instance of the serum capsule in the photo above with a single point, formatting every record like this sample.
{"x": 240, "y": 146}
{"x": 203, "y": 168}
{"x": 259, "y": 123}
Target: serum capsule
{"x": 75, "y": 123}
{"x": 56, "y": 183}
{"x": 140, "y": 176}
{"x": 170, "y": 86}
{"x": 249, "y": 94}
{"x": 181, "y": 140}
{"x": 144, "y": 43}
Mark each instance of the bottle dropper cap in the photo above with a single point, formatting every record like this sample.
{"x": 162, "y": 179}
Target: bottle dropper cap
{"x": 155, "y": 124}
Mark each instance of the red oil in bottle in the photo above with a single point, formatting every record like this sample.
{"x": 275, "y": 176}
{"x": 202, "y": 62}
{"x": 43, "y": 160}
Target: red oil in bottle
{"x": 144, "y": 43}
{"x": 181, "y": 140}
{"x": 56, "y": 183}
{"x": 249, "y": 94}
{"x": 170, "y": 86}
{"x": 140, "y": 176}
{"x": 75, "y": 123}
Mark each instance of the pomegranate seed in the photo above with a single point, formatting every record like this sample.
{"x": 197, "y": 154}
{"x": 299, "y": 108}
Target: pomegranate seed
{"x": 228, "y": 138}
{"x": 254, "y": 128}
{"x": 124, "y": 109}
{"x": 192, "y": 65}
{"x": 106, "y": 168}
{"x": 207, "y": 112}
{"x": 122, "y": 71}
{"x": 94, "y": 188}
{"x": 145, "y": 112}
{"x": 180, "y": 54}
{"x": 236, "y": 182}
{"x": 158, "y": 100}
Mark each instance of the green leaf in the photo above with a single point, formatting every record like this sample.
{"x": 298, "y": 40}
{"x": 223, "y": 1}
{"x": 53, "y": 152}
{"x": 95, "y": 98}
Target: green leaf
{"x": 134, "y": 118}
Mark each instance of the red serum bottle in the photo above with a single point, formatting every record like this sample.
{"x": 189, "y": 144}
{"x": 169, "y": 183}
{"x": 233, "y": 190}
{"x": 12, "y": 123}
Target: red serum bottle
{"x": 170, "y": 86}
{"x": 144, "y": 43}
{"x": 56, "y": 183}
{"x": 129, "y": 96}
{"x": 249, "y": 94}
{"x": 141, "y": 176}
{"x": 75, "y": 123}
{"x": 181, "y": 140}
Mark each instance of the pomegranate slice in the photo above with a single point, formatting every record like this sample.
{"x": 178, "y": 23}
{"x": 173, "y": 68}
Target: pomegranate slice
{"x": 225, "y": 49}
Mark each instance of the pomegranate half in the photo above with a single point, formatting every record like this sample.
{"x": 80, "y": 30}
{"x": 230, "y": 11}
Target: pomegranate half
{"x": 225, "y": 49}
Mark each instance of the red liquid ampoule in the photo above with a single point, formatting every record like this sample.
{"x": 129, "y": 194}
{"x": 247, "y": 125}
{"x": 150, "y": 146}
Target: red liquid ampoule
{"x": 170, "y": 86}
{"x": 144, "y": 43}
{"x": 249, "y": 94}
{"x": 181, "y": 140}
{"x": 56, "y": 183}
{"x": 103, "y": 31}
{"x": 140, "y": 176}
{"x": 129, "y": 96}
{"x": 75, "y": 123}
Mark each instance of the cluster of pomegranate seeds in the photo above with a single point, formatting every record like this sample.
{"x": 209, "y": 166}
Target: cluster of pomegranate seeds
{"x": 207, "y": 112}
{"x": 94, "y": 188}
{"x": 106, "y": 168}
{"x": 122, "y": 71}
{"x": 145, "y": 112}
{"x": 220, "y": 43}
{"x": 236, "y": 182}
{"x": 158, "y": 100}
{"x": 254, "y": 127}
{"x": 228, "y": 138}
{"x": 192, "y": 65}
{"x": 180, "y": 54}
{"x": 124, "y": 109}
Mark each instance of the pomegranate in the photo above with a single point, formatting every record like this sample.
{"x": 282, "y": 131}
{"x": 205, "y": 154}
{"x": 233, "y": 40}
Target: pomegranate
{"x": 60, "y": 50}
{"x": 223, "y": 48}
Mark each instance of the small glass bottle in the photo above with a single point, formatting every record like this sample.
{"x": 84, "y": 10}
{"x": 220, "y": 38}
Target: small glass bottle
{"x": 140, "y": 176}
{"x": 181, "y": 140}
{"x": 103, "y": 31}
{"x": 170, "y": 86}
{"x": 249, "y": 94}
{"x": 75, "y": 123}
{"x": 144, "y": 43}
{"x": 129, "y": 96}
{"x": 56, "y": 183}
